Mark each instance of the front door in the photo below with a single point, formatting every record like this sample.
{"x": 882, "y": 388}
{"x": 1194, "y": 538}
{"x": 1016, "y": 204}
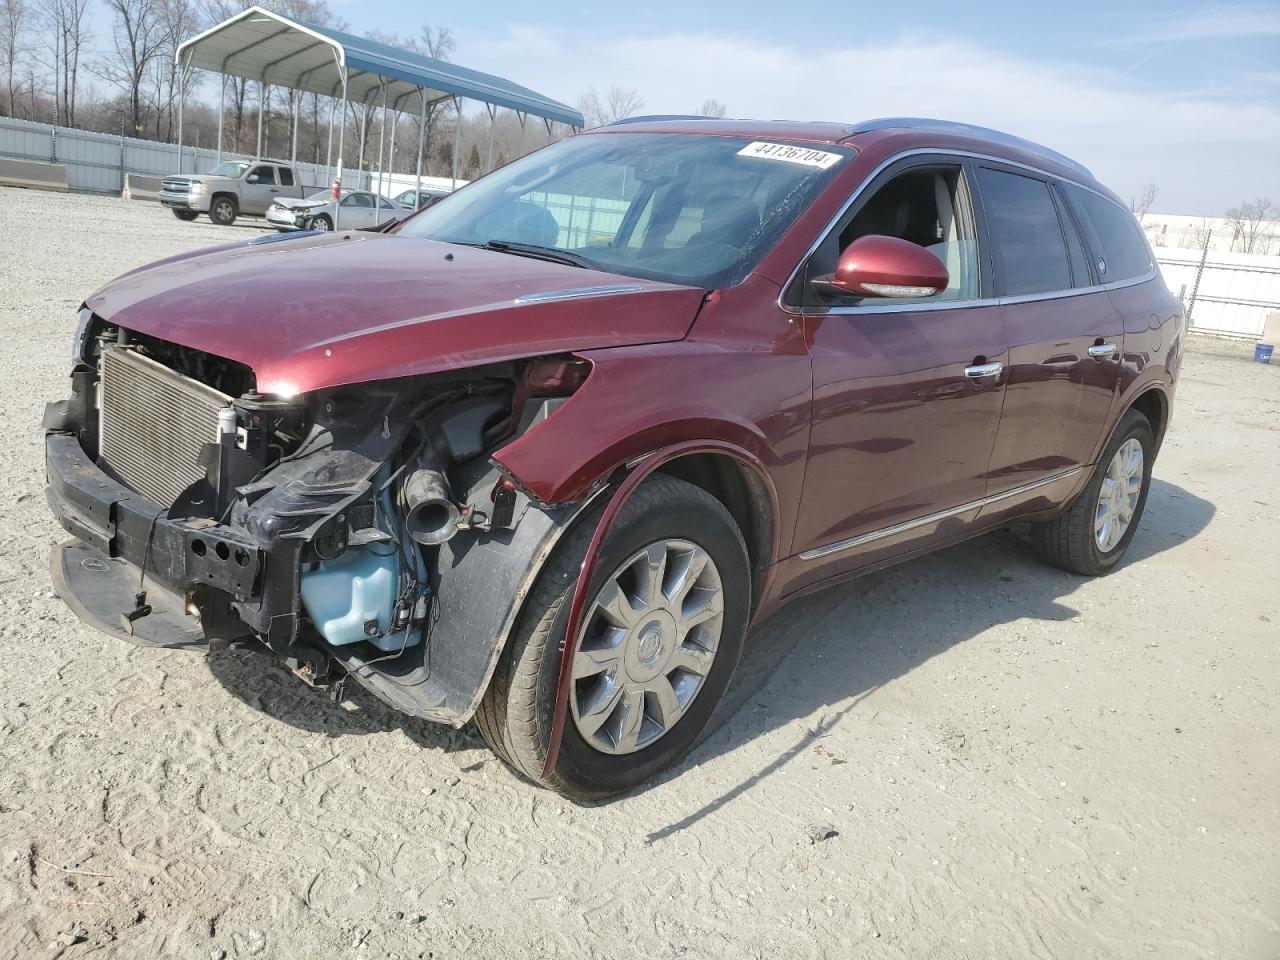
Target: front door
{"x": 1066, "y": 338}
{"x": 257, "y": 196}
{"x": 907, "y": 393}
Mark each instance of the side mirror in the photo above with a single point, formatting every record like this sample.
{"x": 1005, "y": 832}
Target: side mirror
{"x": 879, "y": 266}
{"x": 251, "y": 178}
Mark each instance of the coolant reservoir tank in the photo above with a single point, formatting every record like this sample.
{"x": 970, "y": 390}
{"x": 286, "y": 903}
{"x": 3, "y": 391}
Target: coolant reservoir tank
{"x": 353, "y": 597}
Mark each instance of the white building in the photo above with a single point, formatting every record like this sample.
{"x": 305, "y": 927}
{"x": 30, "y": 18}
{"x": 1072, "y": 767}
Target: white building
{"x": 1176, "y": 232}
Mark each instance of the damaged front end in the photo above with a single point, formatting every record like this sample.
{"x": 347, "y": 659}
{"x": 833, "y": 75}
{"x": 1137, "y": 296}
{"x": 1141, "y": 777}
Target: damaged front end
{"x": 362, "y": 530}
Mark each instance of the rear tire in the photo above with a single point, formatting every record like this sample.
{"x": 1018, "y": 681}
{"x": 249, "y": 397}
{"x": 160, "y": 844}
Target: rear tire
{"x": 1078, "y": 539}
{"x": 223, "y": 210}
{"x": 187, "y": 215}
{"x": 516, "y": 712}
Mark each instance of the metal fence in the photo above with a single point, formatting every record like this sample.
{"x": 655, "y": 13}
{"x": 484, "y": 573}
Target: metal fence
{"x": 99, "y": 162}
{"x": 1232, "y": 294}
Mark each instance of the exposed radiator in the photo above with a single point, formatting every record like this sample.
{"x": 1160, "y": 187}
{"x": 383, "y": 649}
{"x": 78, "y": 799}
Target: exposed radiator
{"x": 153, "y": 423}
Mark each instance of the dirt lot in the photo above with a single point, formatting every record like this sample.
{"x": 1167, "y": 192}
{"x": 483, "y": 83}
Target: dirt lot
{"x": 1012, "y": 762}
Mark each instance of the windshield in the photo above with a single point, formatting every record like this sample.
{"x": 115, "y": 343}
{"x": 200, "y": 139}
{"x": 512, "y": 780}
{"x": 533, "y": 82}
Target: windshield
{"x": 230, "y": 168}
{"x": 325, "y": 194}
{"x": 691, "y": 209}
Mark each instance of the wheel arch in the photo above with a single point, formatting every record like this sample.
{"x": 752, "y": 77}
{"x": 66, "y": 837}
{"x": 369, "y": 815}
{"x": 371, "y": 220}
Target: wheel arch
{"x": 745, "y": 493}
{"x": 710, "y": 464}
{"x": 1153, "y": 403}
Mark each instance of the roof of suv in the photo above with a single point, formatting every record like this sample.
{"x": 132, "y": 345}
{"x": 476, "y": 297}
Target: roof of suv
{"x": 911, "y": 131}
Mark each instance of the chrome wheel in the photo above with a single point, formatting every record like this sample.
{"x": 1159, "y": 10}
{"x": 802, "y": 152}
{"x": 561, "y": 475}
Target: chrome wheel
{"x": 322, "y": 224}
{"x": 223, "y": 210}
{"x": 1118, "y": 496}
{"x": 647, "y": 643}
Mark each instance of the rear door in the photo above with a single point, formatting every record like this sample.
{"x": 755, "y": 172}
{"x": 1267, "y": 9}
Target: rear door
{"x": 388, "y": 210}
{"x": 1065, "y": 337}
{"x": 357, "y": 210}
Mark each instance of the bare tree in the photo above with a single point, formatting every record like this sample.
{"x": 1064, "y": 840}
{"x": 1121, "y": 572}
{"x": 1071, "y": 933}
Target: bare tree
{"x": 13, "y": 28}
{"x": 1198, "y": 236}
{"x": 75, "y": 39}
{"x": 1253, "y": 223}
{"x": 713, "y": 108}
{"x": 64, "y": 34}
{"x": 309, "y": 11}
{"x": 435, "y": 43}
{"x": 438, "y": 44}
{"x": 139, "y": 37}
{"x": 618, "y": 103}
{"x": 215, "y": 11}
{"x": 1141, "y": 205}
{"x": 181, "y": 21}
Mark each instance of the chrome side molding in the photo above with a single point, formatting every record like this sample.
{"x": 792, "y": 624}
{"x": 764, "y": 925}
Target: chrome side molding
{"x": 841, "y": 545}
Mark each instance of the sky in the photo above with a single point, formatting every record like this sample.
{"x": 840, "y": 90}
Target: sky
{"x": 1184, "y": 95}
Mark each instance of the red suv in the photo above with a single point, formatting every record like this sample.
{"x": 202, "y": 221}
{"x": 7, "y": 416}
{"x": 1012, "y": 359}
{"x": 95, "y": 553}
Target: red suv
{"x": 539, "y": 454}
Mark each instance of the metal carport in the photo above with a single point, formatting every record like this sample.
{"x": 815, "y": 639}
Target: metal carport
{"x": 274, "y": 50}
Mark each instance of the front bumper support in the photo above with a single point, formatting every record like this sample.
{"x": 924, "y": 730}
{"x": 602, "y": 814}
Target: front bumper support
{"x": 195, "y": 560}
{"x": 243, "y": 575}
{"x": 100, "y": 590}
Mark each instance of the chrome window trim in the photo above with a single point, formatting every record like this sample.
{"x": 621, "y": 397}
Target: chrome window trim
{"x": 840, "y": 546}
{"x": 944, "y": 304}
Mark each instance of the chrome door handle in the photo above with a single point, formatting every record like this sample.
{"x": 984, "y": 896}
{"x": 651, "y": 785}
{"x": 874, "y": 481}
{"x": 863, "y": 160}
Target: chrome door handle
{"x": 1102, "y": 349}
{"x": 983, "y": 370}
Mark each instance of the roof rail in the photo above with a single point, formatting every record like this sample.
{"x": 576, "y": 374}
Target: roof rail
{"x": 658, "y": 116}
{"x": 969, "y": 129}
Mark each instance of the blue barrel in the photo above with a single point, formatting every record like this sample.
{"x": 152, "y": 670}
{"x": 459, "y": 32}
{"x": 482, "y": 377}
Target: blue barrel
{"x": 1262, "y": 353}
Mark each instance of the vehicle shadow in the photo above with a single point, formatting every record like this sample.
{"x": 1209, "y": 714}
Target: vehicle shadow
{"x": 242, "y": 223}
{"x": 835, "y": 648}
{"x": 842, "y": 643}
{"x": 250, "y": 673}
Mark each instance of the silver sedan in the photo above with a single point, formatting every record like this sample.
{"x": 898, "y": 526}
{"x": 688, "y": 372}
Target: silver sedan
{"x": 355, "y": 209}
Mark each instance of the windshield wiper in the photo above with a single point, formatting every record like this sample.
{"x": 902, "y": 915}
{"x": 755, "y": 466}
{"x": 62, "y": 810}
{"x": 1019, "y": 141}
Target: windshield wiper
{"x": 553, "y": 254}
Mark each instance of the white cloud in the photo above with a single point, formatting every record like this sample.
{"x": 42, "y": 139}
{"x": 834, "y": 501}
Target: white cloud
{"x": 1230, "y": 20}
{"x": 1205, "y": 151}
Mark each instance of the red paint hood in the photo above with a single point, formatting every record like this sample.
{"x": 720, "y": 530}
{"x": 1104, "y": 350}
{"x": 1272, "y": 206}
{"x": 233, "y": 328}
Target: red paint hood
{"x": 307, "y": 313}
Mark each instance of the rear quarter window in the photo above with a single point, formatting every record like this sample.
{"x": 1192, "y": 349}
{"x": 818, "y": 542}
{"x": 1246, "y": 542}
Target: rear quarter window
{"x": 1121, "y": 251}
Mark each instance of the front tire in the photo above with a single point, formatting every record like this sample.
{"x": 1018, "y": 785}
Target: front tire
{"x": 662, "y": 632}
{"x": 1093, "y": 533}
{"x": 321, "y": 223}
{"x": 223, "y": 210}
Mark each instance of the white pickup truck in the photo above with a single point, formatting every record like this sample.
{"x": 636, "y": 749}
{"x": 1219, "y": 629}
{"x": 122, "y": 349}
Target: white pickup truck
{"x": 230, "y": 189}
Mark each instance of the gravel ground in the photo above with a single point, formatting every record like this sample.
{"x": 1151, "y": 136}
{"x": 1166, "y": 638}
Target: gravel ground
{"x": 971, "y": 755}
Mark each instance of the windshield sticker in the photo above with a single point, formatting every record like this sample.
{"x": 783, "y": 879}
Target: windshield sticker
{"x": 791, "y": 154}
